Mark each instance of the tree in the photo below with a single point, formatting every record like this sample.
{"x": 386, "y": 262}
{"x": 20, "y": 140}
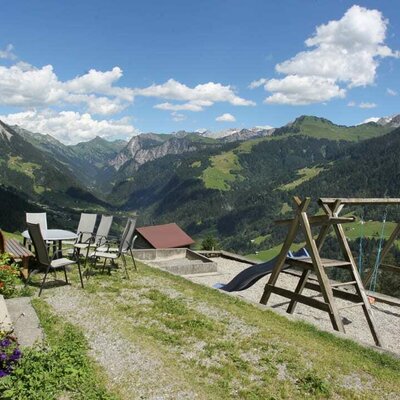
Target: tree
{"x": 209, "y": 243}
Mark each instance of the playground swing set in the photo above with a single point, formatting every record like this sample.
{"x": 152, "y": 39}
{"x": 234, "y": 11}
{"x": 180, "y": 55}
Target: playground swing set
{"x": 309, "y": 260}
{"x": 318, "y": 265}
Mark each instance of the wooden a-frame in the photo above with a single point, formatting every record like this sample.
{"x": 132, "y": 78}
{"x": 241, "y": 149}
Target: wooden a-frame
{"x": 316, "y": 264}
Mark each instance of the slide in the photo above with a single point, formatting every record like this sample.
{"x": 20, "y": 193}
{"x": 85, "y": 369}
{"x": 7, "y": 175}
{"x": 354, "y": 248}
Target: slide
{"x": 251, "y": 275}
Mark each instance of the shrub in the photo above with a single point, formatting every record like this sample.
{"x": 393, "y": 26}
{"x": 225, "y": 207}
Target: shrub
{"x": 210, "y": 243}
{"x": 9, "y": 276}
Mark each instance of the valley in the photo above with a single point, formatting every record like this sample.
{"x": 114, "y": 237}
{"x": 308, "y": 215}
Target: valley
{"x": 230, "y": 186}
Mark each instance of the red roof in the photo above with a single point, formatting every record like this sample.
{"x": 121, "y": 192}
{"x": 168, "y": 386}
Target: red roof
{"x": 165, "y": 236}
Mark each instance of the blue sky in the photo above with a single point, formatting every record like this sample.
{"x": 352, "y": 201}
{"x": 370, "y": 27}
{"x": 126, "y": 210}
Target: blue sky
{"x": 80, "y": 69}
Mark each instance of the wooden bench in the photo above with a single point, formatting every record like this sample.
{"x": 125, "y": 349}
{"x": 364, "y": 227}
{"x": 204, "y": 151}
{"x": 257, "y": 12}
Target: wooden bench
{"x": 18, "y": 251}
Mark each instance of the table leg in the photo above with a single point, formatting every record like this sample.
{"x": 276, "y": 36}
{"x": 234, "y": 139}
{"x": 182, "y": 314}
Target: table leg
{"x": 25, "y": 267}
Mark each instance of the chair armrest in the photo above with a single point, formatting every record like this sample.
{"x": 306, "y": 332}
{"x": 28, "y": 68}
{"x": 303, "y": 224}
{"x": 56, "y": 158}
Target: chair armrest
{"x": 56, "y": 254}
{"x": 87, "y": 241}
{"x": 133, "y": 241}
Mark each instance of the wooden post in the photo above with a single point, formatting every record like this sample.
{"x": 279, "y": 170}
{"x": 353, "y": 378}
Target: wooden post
{"x": 301, "y": 205}
{"x": 336, "y": 206}
{"x": 326, "y": 290}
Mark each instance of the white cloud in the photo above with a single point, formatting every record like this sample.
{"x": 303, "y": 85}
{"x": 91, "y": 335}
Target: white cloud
{"x": 23, "y": 85}
{"x": 257, "y": 83}
{"x": 70, "y": 127}
{"x": 179, "y": 107}
{"x": 345, "y": 52}
{"x": 371, "y": 119}
{"x": 264, "y": 127}
{"x": 361, "y": 105}
{"x": 226, "y": 118}
{"x": 391, "y": 92}
{"x": 367, "y": 105}
{"x": 7, "y": 53}
{"x": 178, "y": 117}
{"x": 101, "y": 83}
{"x": 298, "y": 90}
{"x": 202, "y": 95}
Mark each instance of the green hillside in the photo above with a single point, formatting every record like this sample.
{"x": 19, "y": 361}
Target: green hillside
{"x": 322, "y": 128}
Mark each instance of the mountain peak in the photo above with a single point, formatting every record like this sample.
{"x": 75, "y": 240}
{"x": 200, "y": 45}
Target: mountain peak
{"x": 393, "y": 121}
{"x": 5, "y": 131}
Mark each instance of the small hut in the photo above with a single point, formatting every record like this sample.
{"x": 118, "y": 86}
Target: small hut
{"x": 162, "y": 237}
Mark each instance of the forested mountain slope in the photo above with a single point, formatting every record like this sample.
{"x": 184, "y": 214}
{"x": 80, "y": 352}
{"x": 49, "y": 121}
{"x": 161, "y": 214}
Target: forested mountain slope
{"x": 232, "y": 190}
{"x": 33, "y": 179}
{"x": 263, "y": 177}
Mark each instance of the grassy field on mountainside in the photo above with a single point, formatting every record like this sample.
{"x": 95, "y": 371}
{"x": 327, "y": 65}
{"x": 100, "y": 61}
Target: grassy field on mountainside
{"x": 222, "y": 171}
{"x": 305, "y": 174}
{"x": 321, "y": 128}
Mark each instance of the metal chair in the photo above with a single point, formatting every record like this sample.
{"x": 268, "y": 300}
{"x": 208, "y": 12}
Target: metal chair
{"x": 35, "y": 218}
{"x": 86, "y": 239}
{"x": 42, "y": 257}
{"x": 125, "y": 245}
{"x": 85, "y": 229}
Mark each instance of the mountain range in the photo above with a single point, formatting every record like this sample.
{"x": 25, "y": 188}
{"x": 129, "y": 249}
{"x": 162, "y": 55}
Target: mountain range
{"x": 230, "y": 184}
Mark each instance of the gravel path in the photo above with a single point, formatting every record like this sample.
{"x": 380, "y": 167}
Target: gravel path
{"x": 134, "y": 371}
{"x": 387, "y": 317}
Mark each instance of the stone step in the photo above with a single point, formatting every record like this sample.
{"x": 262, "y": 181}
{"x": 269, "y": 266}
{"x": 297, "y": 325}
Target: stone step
{"x": 5, "y": 319}
{"x": 185, "y": 266}
{"x": 25, "y": 321}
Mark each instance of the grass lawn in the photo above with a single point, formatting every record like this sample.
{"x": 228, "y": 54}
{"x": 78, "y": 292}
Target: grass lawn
{"x": 219, "y": 347}
{"x": 177, "y": 339}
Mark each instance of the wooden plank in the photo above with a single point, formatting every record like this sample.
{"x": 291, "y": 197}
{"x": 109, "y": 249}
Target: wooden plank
{"x": 314, "y": 285}
{"x": 359, "y": 286}
{"x": 321, "y": 275}
{"x": 280, "y": 262}
{"x": 359, "y": 201}
{"x": 341, "y": 294}
{"x": 320, "y": 220}
{"x": 391, "y": 268}
{"x": 16, "y": 249}
{"x": 383, "y": 298}
{"x": 309, "y": 301}
{"x": 13, "y": 247}
{"x": 341, "y": 284}
{"x": 352, "y": 305}
{"x": 333, "y": 209}
{"x": 299, "y": 289}
{"x": 307, "y": 262}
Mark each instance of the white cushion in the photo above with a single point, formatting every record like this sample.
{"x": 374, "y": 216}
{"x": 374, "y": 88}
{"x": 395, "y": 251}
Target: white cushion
{"x": 61, "y": 262}
{"x": 104, "y": 254}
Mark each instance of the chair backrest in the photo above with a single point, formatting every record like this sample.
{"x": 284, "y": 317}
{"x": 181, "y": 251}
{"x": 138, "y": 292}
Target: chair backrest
{"x": 127, "y": 235}
{"x": 37, "y": 218}
{"x": 86, "y": 227}
{"x": 42, "y": 255}
{"x": 103, "y": 230}
{"x": 2, "y": 243}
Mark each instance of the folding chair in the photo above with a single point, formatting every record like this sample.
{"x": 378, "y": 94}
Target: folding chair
{"x": 42, "y": 257}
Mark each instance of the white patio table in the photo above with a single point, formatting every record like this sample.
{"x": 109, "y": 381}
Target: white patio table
{"x": 54, "y": 235}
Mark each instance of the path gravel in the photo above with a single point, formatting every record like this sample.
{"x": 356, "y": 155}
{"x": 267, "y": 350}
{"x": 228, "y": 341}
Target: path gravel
{"x": 387, "y": 317}
{"x": 134, "y": 371}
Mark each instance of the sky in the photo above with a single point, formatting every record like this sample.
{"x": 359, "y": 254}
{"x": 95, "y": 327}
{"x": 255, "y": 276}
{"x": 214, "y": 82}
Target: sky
{"x": 80, "y": 69}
